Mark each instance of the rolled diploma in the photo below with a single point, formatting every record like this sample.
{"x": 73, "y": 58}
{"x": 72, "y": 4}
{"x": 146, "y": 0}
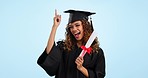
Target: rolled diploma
{"x": 89, "y": 42}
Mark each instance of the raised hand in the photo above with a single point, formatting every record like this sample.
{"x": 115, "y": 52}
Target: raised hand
{"x": 57, "y": 19}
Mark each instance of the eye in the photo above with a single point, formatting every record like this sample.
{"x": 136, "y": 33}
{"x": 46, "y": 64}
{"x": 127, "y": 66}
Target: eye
{"x": 70, "y": 26}
{"x": 77, "y": 25}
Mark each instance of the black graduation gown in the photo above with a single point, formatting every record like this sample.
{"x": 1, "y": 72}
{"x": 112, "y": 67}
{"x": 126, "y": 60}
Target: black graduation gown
{"x": 61, "y": 64}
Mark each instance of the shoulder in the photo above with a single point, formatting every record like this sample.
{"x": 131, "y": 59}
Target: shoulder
{"x": 100, "y": 51}
{"x": 61, "y": 44}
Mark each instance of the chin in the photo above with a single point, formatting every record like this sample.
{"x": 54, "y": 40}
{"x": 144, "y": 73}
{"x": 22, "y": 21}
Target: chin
{"x": 78, "y": 39}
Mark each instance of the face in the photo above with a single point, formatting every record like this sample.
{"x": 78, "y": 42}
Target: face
{"x": 76, "y": 29}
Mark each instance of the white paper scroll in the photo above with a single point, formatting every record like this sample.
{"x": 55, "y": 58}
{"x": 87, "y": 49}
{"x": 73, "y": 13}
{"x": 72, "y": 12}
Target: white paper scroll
{"x": 89, "y": 42}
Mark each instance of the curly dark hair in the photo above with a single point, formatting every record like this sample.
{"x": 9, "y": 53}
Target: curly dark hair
{"x": 70, "y": 41}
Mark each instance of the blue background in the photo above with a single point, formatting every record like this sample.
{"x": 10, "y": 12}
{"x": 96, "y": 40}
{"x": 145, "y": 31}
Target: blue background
{"x": 122, "y": 27}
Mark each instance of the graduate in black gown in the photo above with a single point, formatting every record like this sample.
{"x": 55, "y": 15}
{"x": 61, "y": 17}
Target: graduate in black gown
{"x": 62, "y": 59}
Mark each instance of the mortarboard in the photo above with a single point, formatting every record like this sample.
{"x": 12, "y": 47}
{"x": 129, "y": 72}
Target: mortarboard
{"x": 76, "y": 15}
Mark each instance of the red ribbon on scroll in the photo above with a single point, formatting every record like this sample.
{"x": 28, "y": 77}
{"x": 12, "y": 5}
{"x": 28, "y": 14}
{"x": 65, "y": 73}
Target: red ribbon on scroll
{"x": 88, "y": 50}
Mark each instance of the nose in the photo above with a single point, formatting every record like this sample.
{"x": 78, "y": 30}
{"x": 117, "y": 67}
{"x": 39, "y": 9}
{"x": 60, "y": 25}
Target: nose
{"x": 74, "y": 28}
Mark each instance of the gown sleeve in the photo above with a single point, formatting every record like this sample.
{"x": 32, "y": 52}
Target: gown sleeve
{"x": 50, "y": 62}
{"x": 99, "y": 70}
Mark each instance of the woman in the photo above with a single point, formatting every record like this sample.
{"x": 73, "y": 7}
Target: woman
{"x": 62, "y": 60}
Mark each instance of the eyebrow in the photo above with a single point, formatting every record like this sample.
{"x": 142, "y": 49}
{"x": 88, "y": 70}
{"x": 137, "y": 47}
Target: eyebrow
{"x": 77, "y": 23}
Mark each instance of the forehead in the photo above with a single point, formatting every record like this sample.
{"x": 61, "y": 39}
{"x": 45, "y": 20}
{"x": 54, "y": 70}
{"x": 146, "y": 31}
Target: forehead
{"x": 76, "y": 22}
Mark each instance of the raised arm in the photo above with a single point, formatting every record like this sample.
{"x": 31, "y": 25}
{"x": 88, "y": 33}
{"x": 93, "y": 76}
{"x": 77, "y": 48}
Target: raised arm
{"x": 57, "y": 20}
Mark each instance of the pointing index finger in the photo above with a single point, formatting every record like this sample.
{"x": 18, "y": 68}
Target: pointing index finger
{"x": 55, "y": 12}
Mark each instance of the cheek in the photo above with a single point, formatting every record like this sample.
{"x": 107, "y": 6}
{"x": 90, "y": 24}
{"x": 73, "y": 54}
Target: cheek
{"x": 82, "y": 30}
{"x": 82, "y": 33}
{"x": 70, "y": 30}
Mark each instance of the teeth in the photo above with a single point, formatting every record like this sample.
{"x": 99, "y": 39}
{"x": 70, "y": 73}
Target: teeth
{"x": 77, "y": 33}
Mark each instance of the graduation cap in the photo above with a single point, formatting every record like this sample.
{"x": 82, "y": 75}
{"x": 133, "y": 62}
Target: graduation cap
{"x": 76, "y": 15}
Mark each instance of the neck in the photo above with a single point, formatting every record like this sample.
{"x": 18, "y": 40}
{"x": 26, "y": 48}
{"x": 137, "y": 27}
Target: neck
{"x": 79, "y": 43}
